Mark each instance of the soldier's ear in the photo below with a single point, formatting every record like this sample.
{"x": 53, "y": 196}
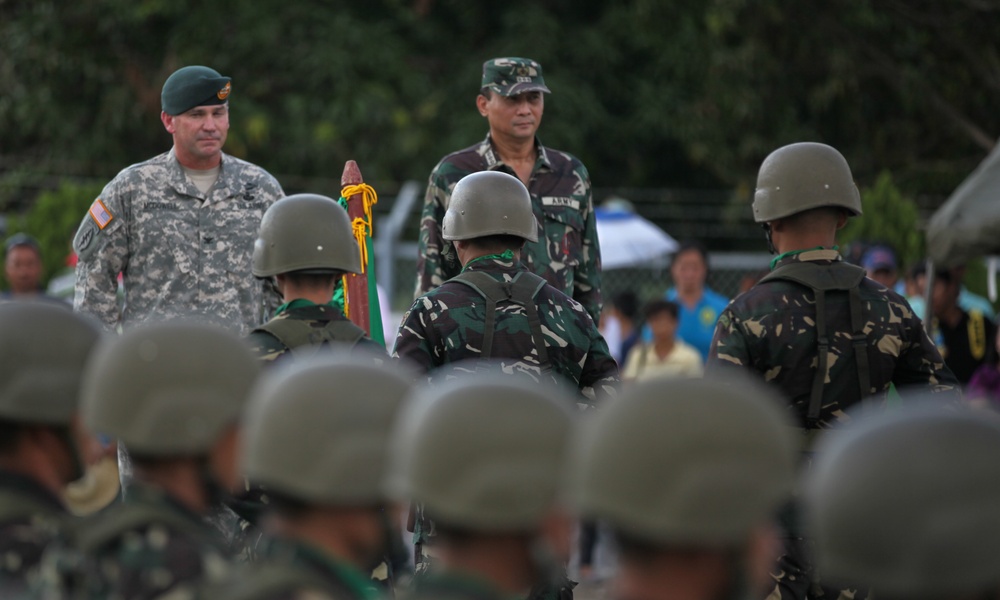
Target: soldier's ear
{"x": 481, "y": 102}
{"x": 168, "y": 122}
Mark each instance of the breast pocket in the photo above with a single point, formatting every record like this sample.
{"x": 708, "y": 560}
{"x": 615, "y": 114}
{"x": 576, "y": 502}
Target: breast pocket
{"x": 563, "y": 228}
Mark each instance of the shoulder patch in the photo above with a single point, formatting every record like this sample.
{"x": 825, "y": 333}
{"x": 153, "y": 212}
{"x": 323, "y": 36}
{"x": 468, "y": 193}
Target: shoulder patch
{"x": 100, "y": 214}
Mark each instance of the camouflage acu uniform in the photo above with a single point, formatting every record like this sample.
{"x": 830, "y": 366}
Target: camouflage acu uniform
{"x": 566, "y": 254}
{"x": 178, "y": 249}
{"x": 447, "y": 324}
{"x": 149, "y": 546}
{"x": 30, "y": 518}
{"x": 302, "y": 324}
{"x": 291, "y": 570}
{"x": 771, "y": 330}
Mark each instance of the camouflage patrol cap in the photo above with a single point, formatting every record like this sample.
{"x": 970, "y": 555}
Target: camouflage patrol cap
{"x": 909, "y": 503}
{"x": 193, "y": 86}
{"x": 44, "y": 348}
{"x": 483, "y": 452}
{"x": 318, "y": 430}
{"x": 306, "y": 233}
{"x": 489, "y": 203}
{"x": 511, "y": 76}
{"x": 803, "y": 176}
{"x": 691, "y": 462}
{"x": 169, "y": 389}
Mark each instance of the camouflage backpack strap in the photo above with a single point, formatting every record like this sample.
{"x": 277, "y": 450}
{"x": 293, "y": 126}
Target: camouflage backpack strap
{"x": 301, "y": 338}
{"x": 107, "y": 527}
{"x": 838, "y": 276}
{"x": 521, "y": 290}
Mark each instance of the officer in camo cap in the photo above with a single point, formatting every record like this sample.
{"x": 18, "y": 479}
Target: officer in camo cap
{"x": 908, "y": 504}
{"x": 180, "y": 227}
{"x": 485, "y": 455}
{"x": 689, "y": 475}
{"x": 174, "y": 393}
{"x": 316, "y": 436}
{"x": 566, "y": 252}
{"x": 815, "y": 327}
{"x": 306, "y": 244}
{"x": 43, "y": 351}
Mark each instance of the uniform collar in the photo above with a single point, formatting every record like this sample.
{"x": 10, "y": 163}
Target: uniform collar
{"x": 491, "y": 160}
{"x": 28, "y": 486}
{"x": 180, "y": 182}
{"x": 819, "y": 253}
{"x": 493, "y": 262}
{"x": 317, "y": 560}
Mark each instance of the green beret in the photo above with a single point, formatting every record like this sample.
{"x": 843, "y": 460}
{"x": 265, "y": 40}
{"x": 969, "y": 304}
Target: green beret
{"x": 193, "y": 86}
{"x": 512, "y": 76}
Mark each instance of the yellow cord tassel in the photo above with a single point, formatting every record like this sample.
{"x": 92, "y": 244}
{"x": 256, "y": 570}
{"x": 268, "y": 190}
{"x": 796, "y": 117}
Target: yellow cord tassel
{"x": 362, "y": 227}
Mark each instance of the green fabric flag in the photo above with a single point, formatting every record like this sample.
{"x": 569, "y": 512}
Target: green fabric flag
{"x": 377, "y": 334}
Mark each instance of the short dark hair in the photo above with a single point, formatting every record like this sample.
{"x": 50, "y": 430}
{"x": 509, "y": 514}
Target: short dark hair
{"x": 627, "y": 303}
{"x": 692, "y": 245}
{"x": 659, "y": 307}
{"x": 486, "y": 92}
{"x": 497, "y": 243}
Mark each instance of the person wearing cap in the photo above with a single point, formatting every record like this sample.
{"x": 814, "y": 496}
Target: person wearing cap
{"x": 22, "y": 268}
{"x": 906, "y": 504}
{"x": 566, "y": 252}
{"x": 305, "y": 243}
{"x": 879, "y": 262}
{"x": 180, "y": 227}
{"x": 496, "y": 308}
{"x": 815, "y": 328}
{"x": 689, "y": 475}
{"x": 485, "y": 456}
{"x": 322, "y": 456}
{"x": 174, "y": 393}
{"x": 43, "y": 446}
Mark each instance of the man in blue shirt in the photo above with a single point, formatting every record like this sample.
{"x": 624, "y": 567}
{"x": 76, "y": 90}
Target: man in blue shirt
{"x": 700, "y": 306}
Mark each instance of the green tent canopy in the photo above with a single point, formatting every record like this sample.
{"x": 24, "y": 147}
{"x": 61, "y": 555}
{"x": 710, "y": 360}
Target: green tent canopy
{"x": 967, "y": 225}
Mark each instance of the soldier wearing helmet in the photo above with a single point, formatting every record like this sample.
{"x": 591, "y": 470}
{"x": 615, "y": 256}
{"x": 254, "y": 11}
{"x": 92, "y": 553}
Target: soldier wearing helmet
{"x": 43, "y": 446}
{"x": 305, "y": 243}
{"x": 173, "y": 393}
{"x": 322, "y": 457}
{"x": 906, "y": 504}
{"x": 497, "y": 309}
{"x": 484, "y": 455}
{"x": 689, "y": 475}
{"x": 815, "y": 327}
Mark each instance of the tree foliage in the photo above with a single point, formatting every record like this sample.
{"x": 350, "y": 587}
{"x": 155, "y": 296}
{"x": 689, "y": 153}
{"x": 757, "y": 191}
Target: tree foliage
{"x": 681, "y": 93}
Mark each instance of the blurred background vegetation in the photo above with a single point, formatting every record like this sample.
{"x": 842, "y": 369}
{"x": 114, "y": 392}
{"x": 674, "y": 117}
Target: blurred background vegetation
{"x": 650, "y": 94}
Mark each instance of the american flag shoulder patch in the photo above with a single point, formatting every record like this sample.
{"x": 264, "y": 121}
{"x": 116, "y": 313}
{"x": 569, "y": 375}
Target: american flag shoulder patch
{"x": 100, "y": 214}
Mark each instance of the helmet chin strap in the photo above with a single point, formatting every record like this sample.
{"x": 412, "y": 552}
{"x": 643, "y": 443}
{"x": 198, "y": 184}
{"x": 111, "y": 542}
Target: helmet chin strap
{"x": 767, "y": 234}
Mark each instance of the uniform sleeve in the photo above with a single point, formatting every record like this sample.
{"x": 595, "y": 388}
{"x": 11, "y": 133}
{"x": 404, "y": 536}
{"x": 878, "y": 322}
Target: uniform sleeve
{"x": 599, "y": 379}
{"x": 587, "y": 283}
{"x": 101, "y": 245}
{"x": 729, "y": 344}
{"x": 920, "y": 364}
{"x": 433, "y": 267}
{"x": 412, "y": 343}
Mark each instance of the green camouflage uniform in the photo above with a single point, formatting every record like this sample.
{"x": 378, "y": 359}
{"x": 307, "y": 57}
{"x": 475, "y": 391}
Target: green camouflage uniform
{"x": 30, "y": 518}
{"x": 179, "y": 250}
{"x": 451, "y": 586}
{"x": 566, "y": 254}
{"x": 318, "y": 324}
{"x": 446, "y": 326}
{"x": 149, "y": 546}
{"x": 292, "y": 570}
{"x": 770, "y": 330}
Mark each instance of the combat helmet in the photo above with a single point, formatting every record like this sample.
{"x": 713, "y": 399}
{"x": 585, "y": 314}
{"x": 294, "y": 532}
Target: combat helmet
{"x": 318, "y": 430}
{"x": 907, "y": 503}
{"x": 799, "y": 177}
{"x": 168, "y": 389}
{"x": 483, "y": 453}
{"x": 489, "y": 203}
{"x": 44, "y": 349}
{"x": 689, "y": 462}
{"x": 306, "y": 233}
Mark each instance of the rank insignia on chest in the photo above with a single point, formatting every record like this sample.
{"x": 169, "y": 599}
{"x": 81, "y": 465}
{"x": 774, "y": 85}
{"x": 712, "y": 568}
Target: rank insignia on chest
{"x": 100, "y": 214}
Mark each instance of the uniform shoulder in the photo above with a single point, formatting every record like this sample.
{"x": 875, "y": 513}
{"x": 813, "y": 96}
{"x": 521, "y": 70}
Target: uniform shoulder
{"x": 466, "y": 160}
{"x": 250, "y": 170}
{"x": 564, "y": 160}
{"x": 134, "y": 173}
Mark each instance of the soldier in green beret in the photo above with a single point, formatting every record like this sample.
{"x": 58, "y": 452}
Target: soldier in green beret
{"x": 180, "y": 227}
{"x": 566, "y": 253}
